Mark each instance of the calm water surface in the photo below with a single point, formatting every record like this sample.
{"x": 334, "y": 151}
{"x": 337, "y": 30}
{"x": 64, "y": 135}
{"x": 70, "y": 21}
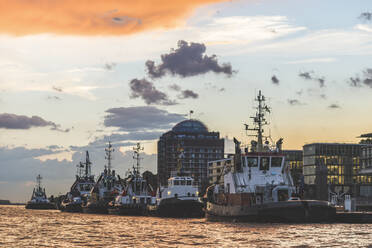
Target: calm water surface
{"x": 47, "y": 228}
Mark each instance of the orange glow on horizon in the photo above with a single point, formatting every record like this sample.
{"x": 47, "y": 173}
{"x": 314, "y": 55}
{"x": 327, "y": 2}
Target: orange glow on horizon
{"x": 93, "y": 17}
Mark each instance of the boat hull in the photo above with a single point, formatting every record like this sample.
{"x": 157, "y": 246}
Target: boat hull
{"x": 131, "y": 210}
{"x": 301, "y": 211}
{"x": 71, "y": 207}
{"x": 41, "y": 205}
{"x": 174, "y": 207}
{"x": 95, "y": 208}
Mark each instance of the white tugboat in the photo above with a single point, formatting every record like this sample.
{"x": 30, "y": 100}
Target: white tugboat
{"x": 137, "y": 193}
{"x": 39, "y": 199}
{"x": 80, "y": 190}
{"x": 258, "y": 186}
{"x": 180, "y": 198}
{"x": 107, "y": 187}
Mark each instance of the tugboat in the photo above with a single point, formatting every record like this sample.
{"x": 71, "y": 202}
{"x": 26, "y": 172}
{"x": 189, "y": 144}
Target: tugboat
{"x": 39, "y": 199}
{"x": 258, "y": 186}
{"x": 106, "y": 188}
{"x": 80, "y": 190}
{"x": 180, "y": 197}
{"x": 136, "y": 195}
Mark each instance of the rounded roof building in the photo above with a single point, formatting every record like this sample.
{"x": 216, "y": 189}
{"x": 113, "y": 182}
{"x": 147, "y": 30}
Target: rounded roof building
{"x": 190, "y": 126}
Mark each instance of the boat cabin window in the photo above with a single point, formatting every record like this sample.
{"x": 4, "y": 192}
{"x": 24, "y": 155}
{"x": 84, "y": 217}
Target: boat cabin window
{"x": 252, "y": 161}
{"x": 264, "y": 163}
{"x": 176, "y": 182}
{"x": 183, "y": 182}
{"x": 276, "y": 161}
{"x": 188, "y": 182}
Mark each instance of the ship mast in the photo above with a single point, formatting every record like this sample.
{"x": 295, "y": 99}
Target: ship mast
{"x": 259, "y": 120}
{"x": 108, "y": 156}
{"x": 137, "y": 149}
{"x": 87, "y": 165}
{"x": 38, "y": 180}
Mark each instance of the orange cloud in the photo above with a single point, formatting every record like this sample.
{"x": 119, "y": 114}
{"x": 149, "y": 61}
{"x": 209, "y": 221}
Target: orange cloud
{"x": 93, "y": 17}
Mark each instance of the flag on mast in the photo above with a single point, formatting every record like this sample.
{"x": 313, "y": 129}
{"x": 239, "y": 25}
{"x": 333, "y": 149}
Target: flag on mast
{"x": 191, "y": 112}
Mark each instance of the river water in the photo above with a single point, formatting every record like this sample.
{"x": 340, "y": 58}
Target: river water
{"x": 47, "y": 228}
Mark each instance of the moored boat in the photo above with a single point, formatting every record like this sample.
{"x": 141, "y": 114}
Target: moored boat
{"x": 80, "y": 189}
{"x": 107, "y": 187}
{"x": 257, "y": 185}
{"x": 180, "y": 198}
{"x": 137, "y": 193}
{"x": 39, "y": 199}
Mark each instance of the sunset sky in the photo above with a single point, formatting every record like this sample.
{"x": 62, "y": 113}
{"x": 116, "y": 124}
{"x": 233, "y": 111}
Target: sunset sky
{"x": 75, "y": 74}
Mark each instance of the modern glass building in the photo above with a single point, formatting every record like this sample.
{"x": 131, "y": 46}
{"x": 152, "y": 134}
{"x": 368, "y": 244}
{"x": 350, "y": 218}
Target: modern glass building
{"x": 199, "y": 147}
{"x": 365, "y": 173}
{"x": 331, "y": 168}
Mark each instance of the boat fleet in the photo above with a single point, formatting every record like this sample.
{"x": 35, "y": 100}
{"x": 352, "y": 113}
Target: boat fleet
{"x": 255, "y": 186}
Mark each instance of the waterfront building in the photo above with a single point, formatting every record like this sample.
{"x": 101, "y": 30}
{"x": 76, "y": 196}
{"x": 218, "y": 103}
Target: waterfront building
{"x": 215, "y": 169}
{"x": 365, "y": 173}
{"x": 294, "y": 160}
{"x": 191, "y": 140}
{"x": 331, "y": 169}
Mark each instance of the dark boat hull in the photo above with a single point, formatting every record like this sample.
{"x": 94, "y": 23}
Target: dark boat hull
{"x": 41, "y": 205}
{"x": 131, "y": 210}
{"x": 286, "y": 211}
{"x": 71, "y": 207}
{"x": 95, "y": 208}
{"x": 174, "y": 207}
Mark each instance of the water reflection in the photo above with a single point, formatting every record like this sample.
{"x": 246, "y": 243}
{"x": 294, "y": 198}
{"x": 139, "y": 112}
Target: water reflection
{"x": 44, "y": 228}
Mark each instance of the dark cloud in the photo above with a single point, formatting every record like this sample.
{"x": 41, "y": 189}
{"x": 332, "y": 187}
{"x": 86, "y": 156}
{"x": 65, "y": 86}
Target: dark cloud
{"x": 18, "y": 153}
{"x": 109, "y": 66}
{"x": 310, "y": 76}
{"x": 59, "y": 129}
{"x": 187, "y": 60}
{"x": 55, "y": 147}
{"x": 141, "y": 118}
{"x": 175, "y": 87}
{"x": 334, "y": 106}
{"x": 306, "y": 75}
{"x": 56, "y": 98}
{"x": 147, "y": 91}
{"x": 355, "y": 82}
{"x": 321, "y": 82}
{"x": 184, "y": 93}
{"x": 120, "y": 139}
{"x": 367, "y": 16}
{"x": 12, "y": 121}
{"x": 100, "y": 144}
{"x": 188, "y": 94}
{"x": 124, "y": 20}
{"x": 274, "y": 80}
{"x": 57, "y": 89}
{"x": 294, "y": 102}
{"x": 368, "y": 77}
{"x": 361, "y": 81}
